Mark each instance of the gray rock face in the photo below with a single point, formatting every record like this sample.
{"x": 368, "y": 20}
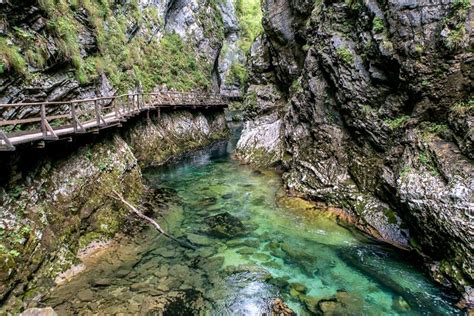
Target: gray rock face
{"x": 203, "y": 27}
{"x": 376, "y": 117}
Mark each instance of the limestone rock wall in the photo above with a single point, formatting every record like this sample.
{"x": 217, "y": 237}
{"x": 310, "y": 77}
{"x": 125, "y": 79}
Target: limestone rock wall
{"x": 375, "y": 100}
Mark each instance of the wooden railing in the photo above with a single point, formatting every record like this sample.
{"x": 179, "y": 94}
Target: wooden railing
{"x": 49, "y": 121}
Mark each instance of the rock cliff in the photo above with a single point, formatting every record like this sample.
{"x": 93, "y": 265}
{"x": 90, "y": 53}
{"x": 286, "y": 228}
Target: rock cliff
{"x": 57, "y": 50}
{"x": 368, "y": 106}
{"x": 59, "y": 202}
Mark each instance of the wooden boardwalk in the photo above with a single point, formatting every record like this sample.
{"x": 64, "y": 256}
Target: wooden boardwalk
{"x": 43, "y": 123}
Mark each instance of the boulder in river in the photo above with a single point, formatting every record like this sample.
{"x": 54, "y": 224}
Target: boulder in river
{"x": 281, "y": 309}
{"x": 343, "y": 303}
{"x": 223, "y": 225}
{"x": 199, "y": 239}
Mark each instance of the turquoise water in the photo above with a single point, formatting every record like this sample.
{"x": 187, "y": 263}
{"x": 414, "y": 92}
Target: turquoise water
{"x": 253, "y": 245}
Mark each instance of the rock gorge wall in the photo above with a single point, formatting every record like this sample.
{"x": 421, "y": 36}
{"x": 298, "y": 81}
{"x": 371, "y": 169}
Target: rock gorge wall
{"x": 56, "y": 49}
{"x": 62, "y": 202}
{"x": 367, "y": 105}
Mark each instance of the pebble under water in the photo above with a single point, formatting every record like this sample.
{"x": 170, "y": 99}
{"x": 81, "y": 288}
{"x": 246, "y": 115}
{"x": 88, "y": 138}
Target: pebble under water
{"x": 253, "y": 245}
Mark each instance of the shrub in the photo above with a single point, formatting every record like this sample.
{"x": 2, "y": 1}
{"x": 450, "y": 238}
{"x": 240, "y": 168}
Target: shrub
{"x": 397, "y": 122}
{"x": 237, "y": 74}
{"x": 11, "y": 59}
{"x": 65, "y": 29}
{"x": 461, "y": 4}
{"x": 345, "y": 54}
{"x": 249, "y": 14}
{"x": 378, "y": 25}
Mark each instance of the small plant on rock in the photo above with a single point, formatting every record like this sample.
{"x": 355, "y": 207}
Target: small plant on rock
{"x": 345, "y": 54}
{"x": 378, "y": 25}
{"x": 398, "y": 122}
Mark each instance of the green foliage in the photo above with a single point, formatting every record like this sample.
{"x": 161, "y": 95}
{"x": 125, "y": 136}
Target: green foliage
{"x": 457, "y": 35}
{"x": 345, "y": 54}
{"x": 367, "y": 108}
{"x": 249, "y": 15}
{"x": 397, "y": 122}
{"x": 425, "y": 160}
{"x": 378, "y": 25}
{"x": 405, "y": 171}
{"x": 465, "y": 106}
{"x": 11, "y": 59}
{"x": 237, "y": 74}
{"x": 461, "y": 4}
{"x": 5, "y": 251}
{"x": 435, "y": 129}
{"x": 127, "y": 62}
{"x": 296, "y": 86}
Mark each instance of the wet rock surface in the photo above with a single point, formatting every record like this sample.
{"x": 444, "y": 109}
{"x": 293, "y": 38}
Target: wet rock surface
{"x": 375, "y": 116}
{"x": 224, "y": 225}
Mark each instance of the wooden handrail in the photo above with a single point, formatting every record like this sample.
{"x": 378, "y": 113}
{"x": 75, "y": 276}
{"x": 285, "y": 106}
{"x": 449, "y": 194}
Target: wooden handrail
{"x": 96, "y": 114}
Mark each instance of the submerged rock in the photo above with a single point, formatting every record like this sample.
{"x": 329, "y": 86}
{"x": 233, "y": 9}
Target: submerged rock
{"x": 343, "y": 303}
{"x": 281, "y": 309}
{"x": 223, "y": 225}
{"x": 47, "y": 311}
{"x": 199, "y": 239}
{"x": 86, "y": 295}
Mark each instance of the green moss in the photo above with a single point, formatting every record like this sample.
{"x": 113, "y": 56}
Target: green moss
{"x": 65, "y": 28}
{"x": 405, "y": 171}
{"x": 345, "y": 54}
{"x": 378, "y": 25}
{"x": 127, "y": 62}
{"x": 11, "y": 59}
{"x": 367, "y": 109}
{"x": 397, "y": 122}
{"x": 237, "y": 74}
{"x": 425, "y": 160}
{"x": 434, "y": 129}
{"x": 462, "y": 107}
{"x": 391, "y": 216}
{"x": 249, "y": 15}
{"x": 454, "y": 23}
{"x": 461, "y": 4}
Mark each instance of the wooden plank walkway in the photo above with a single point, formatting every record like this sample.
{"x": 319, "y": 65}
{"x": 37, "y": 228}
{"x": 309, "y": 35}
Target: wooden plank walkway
{"x": 90, "y": 115}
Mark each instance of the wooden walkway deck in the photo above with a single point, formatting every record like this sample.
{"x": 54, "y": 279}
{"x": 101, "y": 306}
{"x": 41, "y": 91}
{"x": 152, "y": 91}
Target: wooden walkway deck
{"x": 42, "y": 123}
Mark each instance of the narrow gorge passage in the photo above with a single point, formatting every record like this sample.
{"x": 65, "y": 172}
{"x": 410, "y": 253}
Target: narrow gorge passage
{"x": 254, "y": 245}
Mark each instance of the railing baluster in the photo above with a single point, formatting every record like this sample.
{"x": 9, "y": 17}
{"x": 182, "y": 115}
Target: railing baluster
{"x": 97, "y": 113}
{"x": 121, "y": 107}
{"x": 43, "y": 120}
{"x": 73, "y": 116}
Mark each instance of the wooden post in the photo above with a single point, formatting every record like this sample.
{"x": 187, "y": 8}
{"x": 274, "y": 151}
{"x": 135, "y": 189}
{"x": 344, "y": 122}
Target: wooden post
{"x": 97, "y": 113}
{"x": 116, "y": 109}
{"x": 43, "y": 120}
{"x": 73, "y": 116}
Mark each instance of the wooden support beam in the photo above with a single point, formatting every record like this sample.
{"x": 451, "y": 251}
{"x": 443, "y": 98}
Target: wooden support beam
{"x": 48, "y": 131}
{"x": 100, "y": 120}
{"x": 5, "y": 144}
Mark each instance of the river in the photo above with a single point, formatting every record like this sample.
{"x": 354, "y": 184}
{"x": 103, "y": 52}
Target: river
{"x": 253, "y": 244}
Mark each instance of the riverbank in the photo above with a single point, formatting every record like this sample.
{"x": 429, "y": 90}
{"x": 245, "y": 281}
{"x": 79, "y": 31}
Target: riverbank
{"x": 253, "y": 245}
{"x": 57, "y": 202}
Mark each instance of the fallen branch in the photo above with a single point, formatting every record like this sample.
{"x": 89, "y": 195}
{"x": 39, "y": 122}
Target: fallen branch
{"x": 135, "y": 210}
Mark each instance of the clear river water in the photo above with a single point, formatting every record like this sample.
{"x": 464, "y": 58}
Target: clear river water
{"x": 253, "y": 245}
